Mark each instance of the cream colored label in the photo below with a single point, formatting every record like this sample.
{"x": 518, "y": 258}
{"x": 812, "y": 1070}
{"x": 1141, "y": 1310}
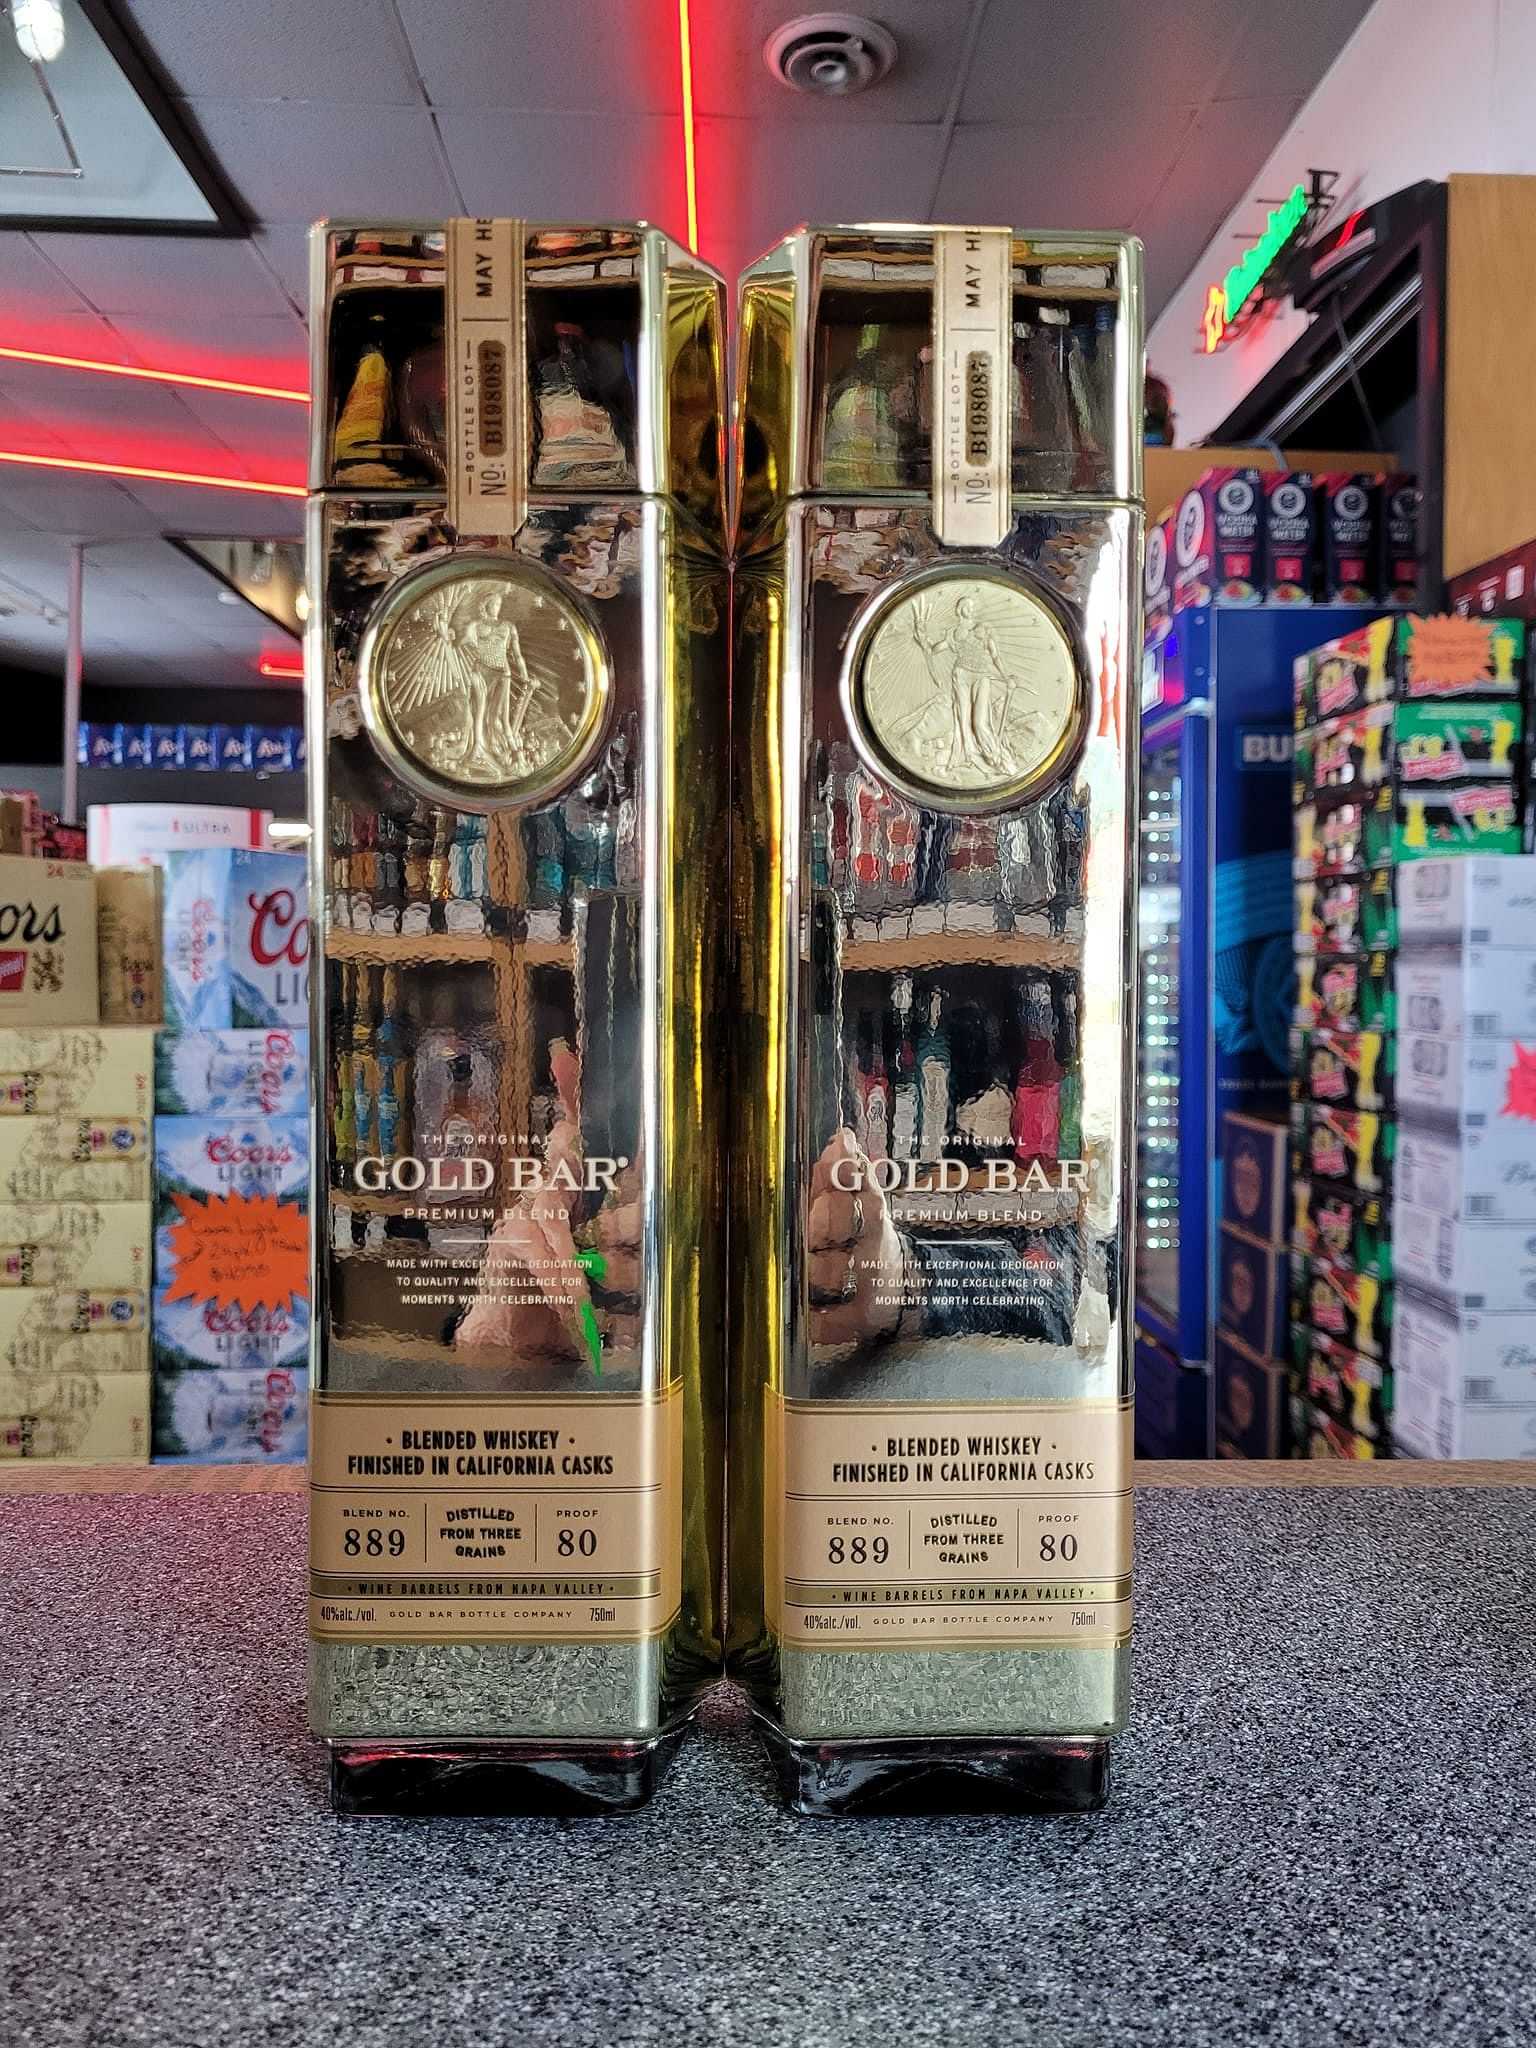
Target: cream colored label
{"x": 487, "y": 468}
{"x": 951, "y": 1528}
{"x": 973, "y": 385}
{"x": 437, "y": 1518}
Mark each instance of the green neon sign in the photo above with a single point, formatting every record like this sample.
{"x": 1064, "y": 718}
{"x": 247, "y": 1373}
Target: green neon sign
{"x": 1243, "y": 279}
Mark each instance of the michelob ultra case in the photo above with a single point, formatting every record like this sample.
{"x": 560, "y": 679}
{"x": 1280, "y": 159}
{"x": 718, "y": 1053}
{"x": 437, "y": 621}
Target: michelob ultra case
{"x": 518, "y": 721}
{"x": 934, "y": 708}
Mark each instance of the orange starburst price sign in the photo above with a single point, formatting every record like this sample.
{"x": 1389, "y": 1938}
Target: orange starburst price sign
{"x": 239, "y": 1251}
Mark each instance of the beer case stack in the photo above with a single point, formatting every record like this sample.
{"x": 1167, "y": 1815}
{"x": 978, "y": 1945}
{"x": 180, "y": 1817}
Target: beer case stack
{"x": 1465, "y": 1215}
{"x": 74, "y": 1182}
{"x": 1409, "y": 744}
{"x": 1253, "y": 1410}
{"x": 231, "y": 1126}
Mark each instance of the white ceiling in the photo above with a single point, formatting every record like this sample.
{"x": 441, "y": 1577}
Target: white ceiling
{"x": 1108, "y": 113}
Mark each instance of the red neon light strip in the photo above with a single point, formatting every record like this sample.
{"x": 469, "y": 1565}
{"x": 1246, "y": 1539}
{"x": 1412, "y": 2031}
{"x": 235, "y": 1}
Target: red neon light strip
{"x": 37, "y": 355}
{"x": 690, "y": 178}
{"x": 267, "y": 667}
{"x": 157, "y": 476}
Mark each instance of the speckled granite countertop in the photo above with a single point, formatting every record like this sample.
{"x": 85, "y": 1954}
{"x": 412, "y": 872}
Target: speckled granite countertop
{"x": 1321, "y": 1832}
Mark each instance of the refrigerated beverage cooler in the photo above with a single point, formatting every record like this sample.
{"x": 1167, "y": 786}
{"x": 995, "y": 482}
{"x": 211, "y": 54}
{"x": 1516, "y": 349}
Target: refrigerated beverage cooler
{"x": 1216, "y": 966}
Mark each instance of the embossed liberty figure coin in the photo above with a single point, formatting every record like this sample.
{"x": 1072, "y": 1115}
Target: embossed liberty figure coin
{"x": 482, "y": 682}
{"x": 966, "y": 688}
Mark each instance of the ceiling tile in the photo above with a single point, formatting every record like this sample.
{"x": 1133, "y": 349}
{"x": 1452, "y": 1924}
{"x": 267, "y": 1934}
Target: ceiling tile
{"x": 1286, "y": 50}
{"x": 265, "y": 349}
{"x": 267, "y": 439}
{"x": 188, "y": 508}
{"x": 341, "y": 49}
{"x": 285, "y": 250}
{"x": 783, "y": 173}
{"x": 568, "y": 166}
{"x": 1039, "y": 174}
{"x": 1035, "y": 61}
{"x": 100, "y": 418}
{"x": 41, "y": 309}
{"x": 292, "y": 159}
{"x": 730, "y": 76}
{"x": 1223, "y": 148}
{"x": 70, "y": 506}
{"x": 161, "y": 273}
{"x": 595, "y": 56}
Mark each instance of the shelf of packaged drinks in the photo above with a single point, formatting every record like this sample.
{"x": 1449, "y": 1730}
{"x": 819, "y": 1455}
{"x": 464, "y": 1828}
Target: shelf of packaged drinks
{"x": 958, "y": 949}
{"x": 398, "y": 949}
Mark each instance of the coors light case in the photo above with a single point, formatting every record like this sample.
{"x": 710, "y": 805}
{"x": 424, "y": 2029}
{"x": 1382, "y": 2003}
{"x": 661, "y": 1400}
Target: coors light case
{"x": 518, "y": 706}
{"x": 937, "y": 618}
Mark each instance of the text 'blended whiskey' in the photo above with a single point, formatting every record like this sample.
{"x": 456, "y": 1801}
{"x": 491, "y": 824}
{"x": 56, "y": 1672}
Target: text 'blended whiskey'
{"x": 517, "y": 700}
{"x": 934, "y": 705}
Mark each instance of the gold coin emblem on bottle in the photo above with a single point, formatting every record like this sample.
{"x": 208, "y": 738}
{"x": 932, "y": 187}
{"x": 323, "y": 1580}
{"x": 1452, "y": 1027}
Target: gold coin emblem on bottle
{"x": 964, "y": 687}
{"x": 481, "y": 683}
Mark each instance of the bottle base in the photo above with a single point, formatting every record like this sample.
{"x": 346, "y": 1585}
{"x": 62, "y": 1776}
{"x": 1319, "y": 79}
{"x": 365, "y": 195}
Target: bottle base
{"x": 939, "y": 1774}
{"x": 485, "y": 1779}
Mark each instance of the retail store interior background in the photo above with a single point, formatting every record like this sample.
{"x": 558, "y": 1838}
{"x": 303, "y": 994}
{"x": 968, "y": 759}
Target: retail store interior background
{"x": 1337, "y": 433}
{"x": 1334, "y": 1290}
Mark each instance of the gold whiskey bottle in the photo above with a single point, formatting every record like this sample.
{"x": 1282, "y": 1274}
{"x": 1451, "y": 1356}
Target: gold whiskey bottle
{"x": 518, "y": 641}
{"x": 934, "y": 706}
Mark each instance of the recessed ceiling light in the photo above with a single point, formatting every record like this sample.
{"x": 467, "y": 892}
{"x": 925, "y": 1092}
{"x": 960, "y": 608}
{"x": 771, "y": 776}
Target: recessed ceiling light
{"x": 39, "y": 26}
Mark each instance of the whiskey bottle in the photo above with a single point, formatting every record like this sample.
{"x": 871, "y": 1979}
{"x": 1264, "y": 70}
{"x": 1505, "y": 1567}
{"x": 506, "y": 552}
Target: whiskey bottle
{"x": 942, "y": 599}
{"x": 518, "y": 1390}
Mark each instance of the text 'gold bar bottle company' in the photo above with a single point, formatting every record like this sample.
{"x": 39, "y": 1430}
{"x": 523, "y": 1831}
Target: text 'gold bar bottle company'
{"x": 937, "y": 652}
{"x": 519, "y": 804}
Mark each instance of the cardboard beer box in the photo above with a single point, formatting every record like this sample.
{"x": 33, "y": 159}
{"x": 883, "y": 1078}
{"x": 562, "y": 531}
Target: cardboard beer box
{"x": 1476, "y": 901}
{"x": 1480, "y": 816}
{"x": 1353, "y": 1146}
{"x": 233, "y": 1073}
{"x": 137, "y": 750}
{"x": 1332, "y": 1439}
{"x": 76, "y": 1072}
{"x": 1347, "y": 913}
{"x": 131, "y": 835}
{"x": 1447, "y": 1080}
{"x": 1352, "y": 1308}
{"x": 1485, "y": 1174}
{"x": 1401, "y": 546}
{"x": 236, "y": 1416}
{"x": 1355, "y": 1069}
{"x": 196, "y": 940}
{"x": 1344, "y": 1387}
{"x": 76, "y": 1244}
{"x": 74, "y": 1159}
{"x": 1251, "y": 1292}
{"x": 1351, "y": 522}
{"x": 1343, "y": 992}
{"x": 48, "y": 969}
{"x": 232, "y": 749}
{"x": 226, "y": 1336}
{"x": 1346, "y": 673}
{"x": 167, "y": 746}
{"x": 1441, "y": 655}
{"x": 1489, "y": 1266}
{"x": 1218, "y": 541}
{"x": 1290, "y": 536}
{"x": 272, "y": 749}
{"x": 69, "y": 1329}
{"x": 199, "y": 748}
{"x": 1254, "y": 1191}
{"x": 212, "y": 1155}
{"x": 130, "y": 917}
{"x": 1472, "y": 992}
{"x": 1250, "y": 1402}
{"x": 1464, "y": 741}
{"x": 1336, "y": 1226}
{"x": 76, "y": 1417}
{"x": 268, "y": 895}
{"x": 1473, "y": 1357}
